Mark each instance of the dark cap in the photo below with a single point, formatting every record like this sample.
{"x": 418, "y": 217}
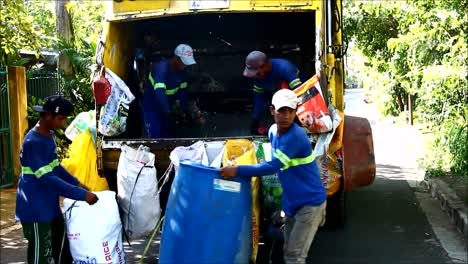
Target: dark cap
{"x": 57, "y": 105}
{"x": 253, "y": 62}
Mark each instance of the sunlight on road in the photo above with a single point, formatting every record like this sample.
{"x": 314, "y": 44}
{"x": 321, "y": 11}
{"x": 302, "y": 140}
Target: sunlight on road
{"x": 394, "y": 145}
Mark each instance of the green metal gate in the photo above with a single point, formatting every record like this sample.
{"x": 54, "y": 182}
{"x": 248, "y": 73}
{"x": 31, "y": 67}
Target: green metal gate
{"x": 6, "y": 159}
{"x": 42, "y": 83}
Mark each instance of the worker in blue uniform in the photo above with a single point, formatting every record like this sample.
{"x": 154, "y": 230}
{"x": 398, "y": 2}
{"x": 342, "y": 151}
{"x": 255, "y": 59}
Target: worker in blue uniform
{"x": 304, "y": 196}
{"x": 167, "y": 83}
{"x": 268, "y": 75}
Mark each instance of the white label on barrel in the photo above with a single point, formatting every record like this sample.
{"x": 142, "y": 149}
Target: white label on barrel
{"x": 229, "y": 186}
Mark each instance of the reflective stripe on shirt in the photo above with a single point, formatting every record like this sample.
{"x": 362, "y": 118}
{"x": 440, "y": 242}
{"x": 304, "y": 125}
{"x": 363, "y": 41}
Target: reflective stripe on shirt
{"x": 295, "y": 83}
{"x": 42, "y": 170}
{"x": 258, "y": 89}
{"x": 287, "y": 162}
{"x": 155, "y": 84}
{"x": 160, "y": 85}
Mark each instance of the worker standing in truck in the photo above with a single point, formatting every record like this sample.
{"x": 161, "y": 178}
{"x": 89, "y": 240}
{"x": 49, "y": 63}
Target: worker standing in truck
{"x": 269, "y": 75}
{"x": 167, "y": 82}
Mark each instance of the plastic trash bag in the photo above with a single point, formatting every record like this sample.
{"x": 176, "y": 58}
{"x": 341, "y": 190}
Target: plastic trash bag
{"x": 95, "y": 231}
{"x": 271, "y": 185}
{"x": 206, "y": 153}
{"x": 213, "y": 155}
{"x": 137, "y": 187}
{"x": 312, "y": 110}
{"x": 81, "y": 162}
{"x": 82, "y": 122}
{"x": 329, "y": 152}
{"x": 194, "y": 152}
{"x": 113, "y": 115}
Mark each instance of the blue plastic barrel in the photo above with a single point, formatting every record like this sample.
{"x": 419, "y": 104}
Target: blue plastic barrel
{"x": 208, "y": 219}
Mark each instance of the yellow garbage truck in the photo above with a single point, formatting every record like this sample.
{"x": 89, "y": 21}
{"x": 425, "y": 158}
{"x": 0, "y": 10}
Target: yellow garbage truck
{"x": 308, "y": 33}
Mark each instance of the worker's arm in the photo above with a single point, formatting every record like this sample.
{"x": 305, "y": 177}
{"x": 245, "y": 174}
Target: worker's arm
{"x": 66, "y": 176}
{"x": 261, "y": 169}
{"x": 157, "y": 79}
{"x": 291, "y": 76}
{"x": 44, "y": 169}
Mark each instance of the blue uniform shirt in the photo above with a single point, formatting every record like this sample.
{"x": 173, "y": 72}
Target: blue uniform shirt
{"x": 163, "y": 87}
{"x": 297, "y": 170}
{"x": 43, "y": 180}
{"x": 281, "y": 71}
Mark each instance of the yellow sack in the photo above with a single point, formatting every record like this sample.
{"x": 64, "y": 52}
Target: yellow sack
{"x": 81, "y": 162}
{"x": 242, "y": 152}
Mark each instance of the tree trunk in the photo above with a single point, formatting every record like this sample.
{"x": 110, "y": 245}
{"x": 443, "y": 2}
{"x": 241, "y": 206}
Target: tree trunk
{"x": 64, "y": 32}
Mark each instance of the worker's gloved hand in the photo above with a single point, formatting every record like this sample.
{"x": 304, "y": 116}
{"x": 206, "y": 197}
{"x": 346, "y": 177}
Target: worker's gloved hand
{"x": 254, "y": 127}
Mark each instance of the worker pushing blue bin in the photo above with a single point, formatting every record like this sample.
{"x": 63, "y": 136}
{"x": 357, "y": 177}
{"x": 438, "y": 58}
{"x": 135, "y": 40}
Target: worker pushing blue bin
{"x": 208, "y": 219}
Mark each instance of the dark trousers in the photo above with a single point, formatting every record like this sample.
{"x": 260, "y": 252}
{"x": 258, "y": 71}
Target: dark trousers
{"x": 47, "y": 242}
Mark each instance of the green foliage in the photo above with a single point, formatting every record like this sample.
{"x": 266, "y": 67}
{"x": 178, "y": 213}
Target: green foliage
{"x": 87, "y": 21}
{"x": 17, "y": 31}
{"x": 417, "y": 48}
{"x": 458, "y": 148}
{"x": 43, "y": 14}
{"x": 78, "y": 88}
{"x": 435, "y": 172}
{"x": 30, "y": 25}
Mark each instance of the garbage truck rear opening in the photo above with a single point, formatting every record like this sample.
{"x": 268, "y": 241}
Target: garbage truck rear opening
{"x": 307, "y": 33}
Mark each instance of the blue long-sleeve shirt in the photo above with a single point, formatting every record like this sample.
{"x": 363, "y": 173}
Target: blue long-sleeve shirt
{"x": 282, "y": 71}
{"x": 297, "y": 170}
{"x": 163, "y": 87}
{"x": 43, "y": 180}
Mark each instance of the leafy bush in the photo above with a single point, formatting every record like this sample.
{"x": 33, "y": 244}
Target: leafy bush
{"x": 422, "y": 54}
{"x": 77, "y": 89}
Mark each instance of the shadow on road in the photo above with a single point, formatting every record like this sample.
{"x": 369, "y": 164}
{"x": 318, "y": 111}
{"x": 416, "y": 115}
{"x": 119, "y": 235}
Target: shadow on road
{"x": 385, "y": 224}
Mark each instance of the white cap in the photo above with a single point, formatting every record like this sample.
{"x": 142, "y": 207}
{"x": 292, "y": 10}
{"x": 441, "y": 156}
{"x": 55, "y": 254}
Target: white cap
{"x": 285, "y": 98}
{"x": 185, "y": 53}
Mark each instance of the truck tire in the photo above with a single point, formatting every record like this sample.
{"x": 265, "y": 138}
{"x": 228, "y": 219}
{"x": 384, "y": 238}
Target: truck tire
{"x": 336, "y": 209}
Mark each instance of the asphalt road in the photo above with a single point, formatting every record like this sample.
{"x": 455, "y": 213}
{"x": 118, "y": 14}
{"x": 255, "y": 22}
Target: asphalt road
{"x": 385, "y": 223}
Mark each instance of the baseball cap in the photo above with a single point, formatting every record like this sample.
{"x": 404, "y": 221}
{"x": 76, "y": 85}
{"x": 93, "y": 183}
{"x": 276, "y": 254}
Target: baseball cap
{"x": 185, "y": 53}
{"x": 253, "y": 62}
{"x": 285, "y": 98}
{"x": 55, "y": 104}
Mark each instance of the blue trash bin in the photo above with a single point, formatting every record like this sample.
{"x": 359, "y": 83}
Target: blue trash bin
{"x": 208, "y": 219}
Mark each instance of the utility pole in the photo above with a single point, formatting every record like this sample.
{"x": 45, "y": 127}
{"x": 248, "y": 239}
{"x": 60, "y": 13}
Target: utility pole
{"x": 410, "y": 109}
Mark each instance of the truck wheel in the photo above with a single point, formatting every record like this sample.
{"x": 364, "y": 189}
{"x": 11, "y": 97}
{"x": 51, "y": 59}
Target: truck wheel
{"x": 336, "y": 209}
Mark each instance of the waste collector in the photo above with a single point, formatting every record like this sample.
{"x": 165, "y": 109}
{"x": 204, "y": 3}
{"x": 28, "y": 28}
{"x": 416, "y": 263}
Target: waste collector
{"x": 43, "y": 180}
{"x": 268, "y": 75}
{"x": 304, "y": 196}
{"x": 167, "y": 82}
